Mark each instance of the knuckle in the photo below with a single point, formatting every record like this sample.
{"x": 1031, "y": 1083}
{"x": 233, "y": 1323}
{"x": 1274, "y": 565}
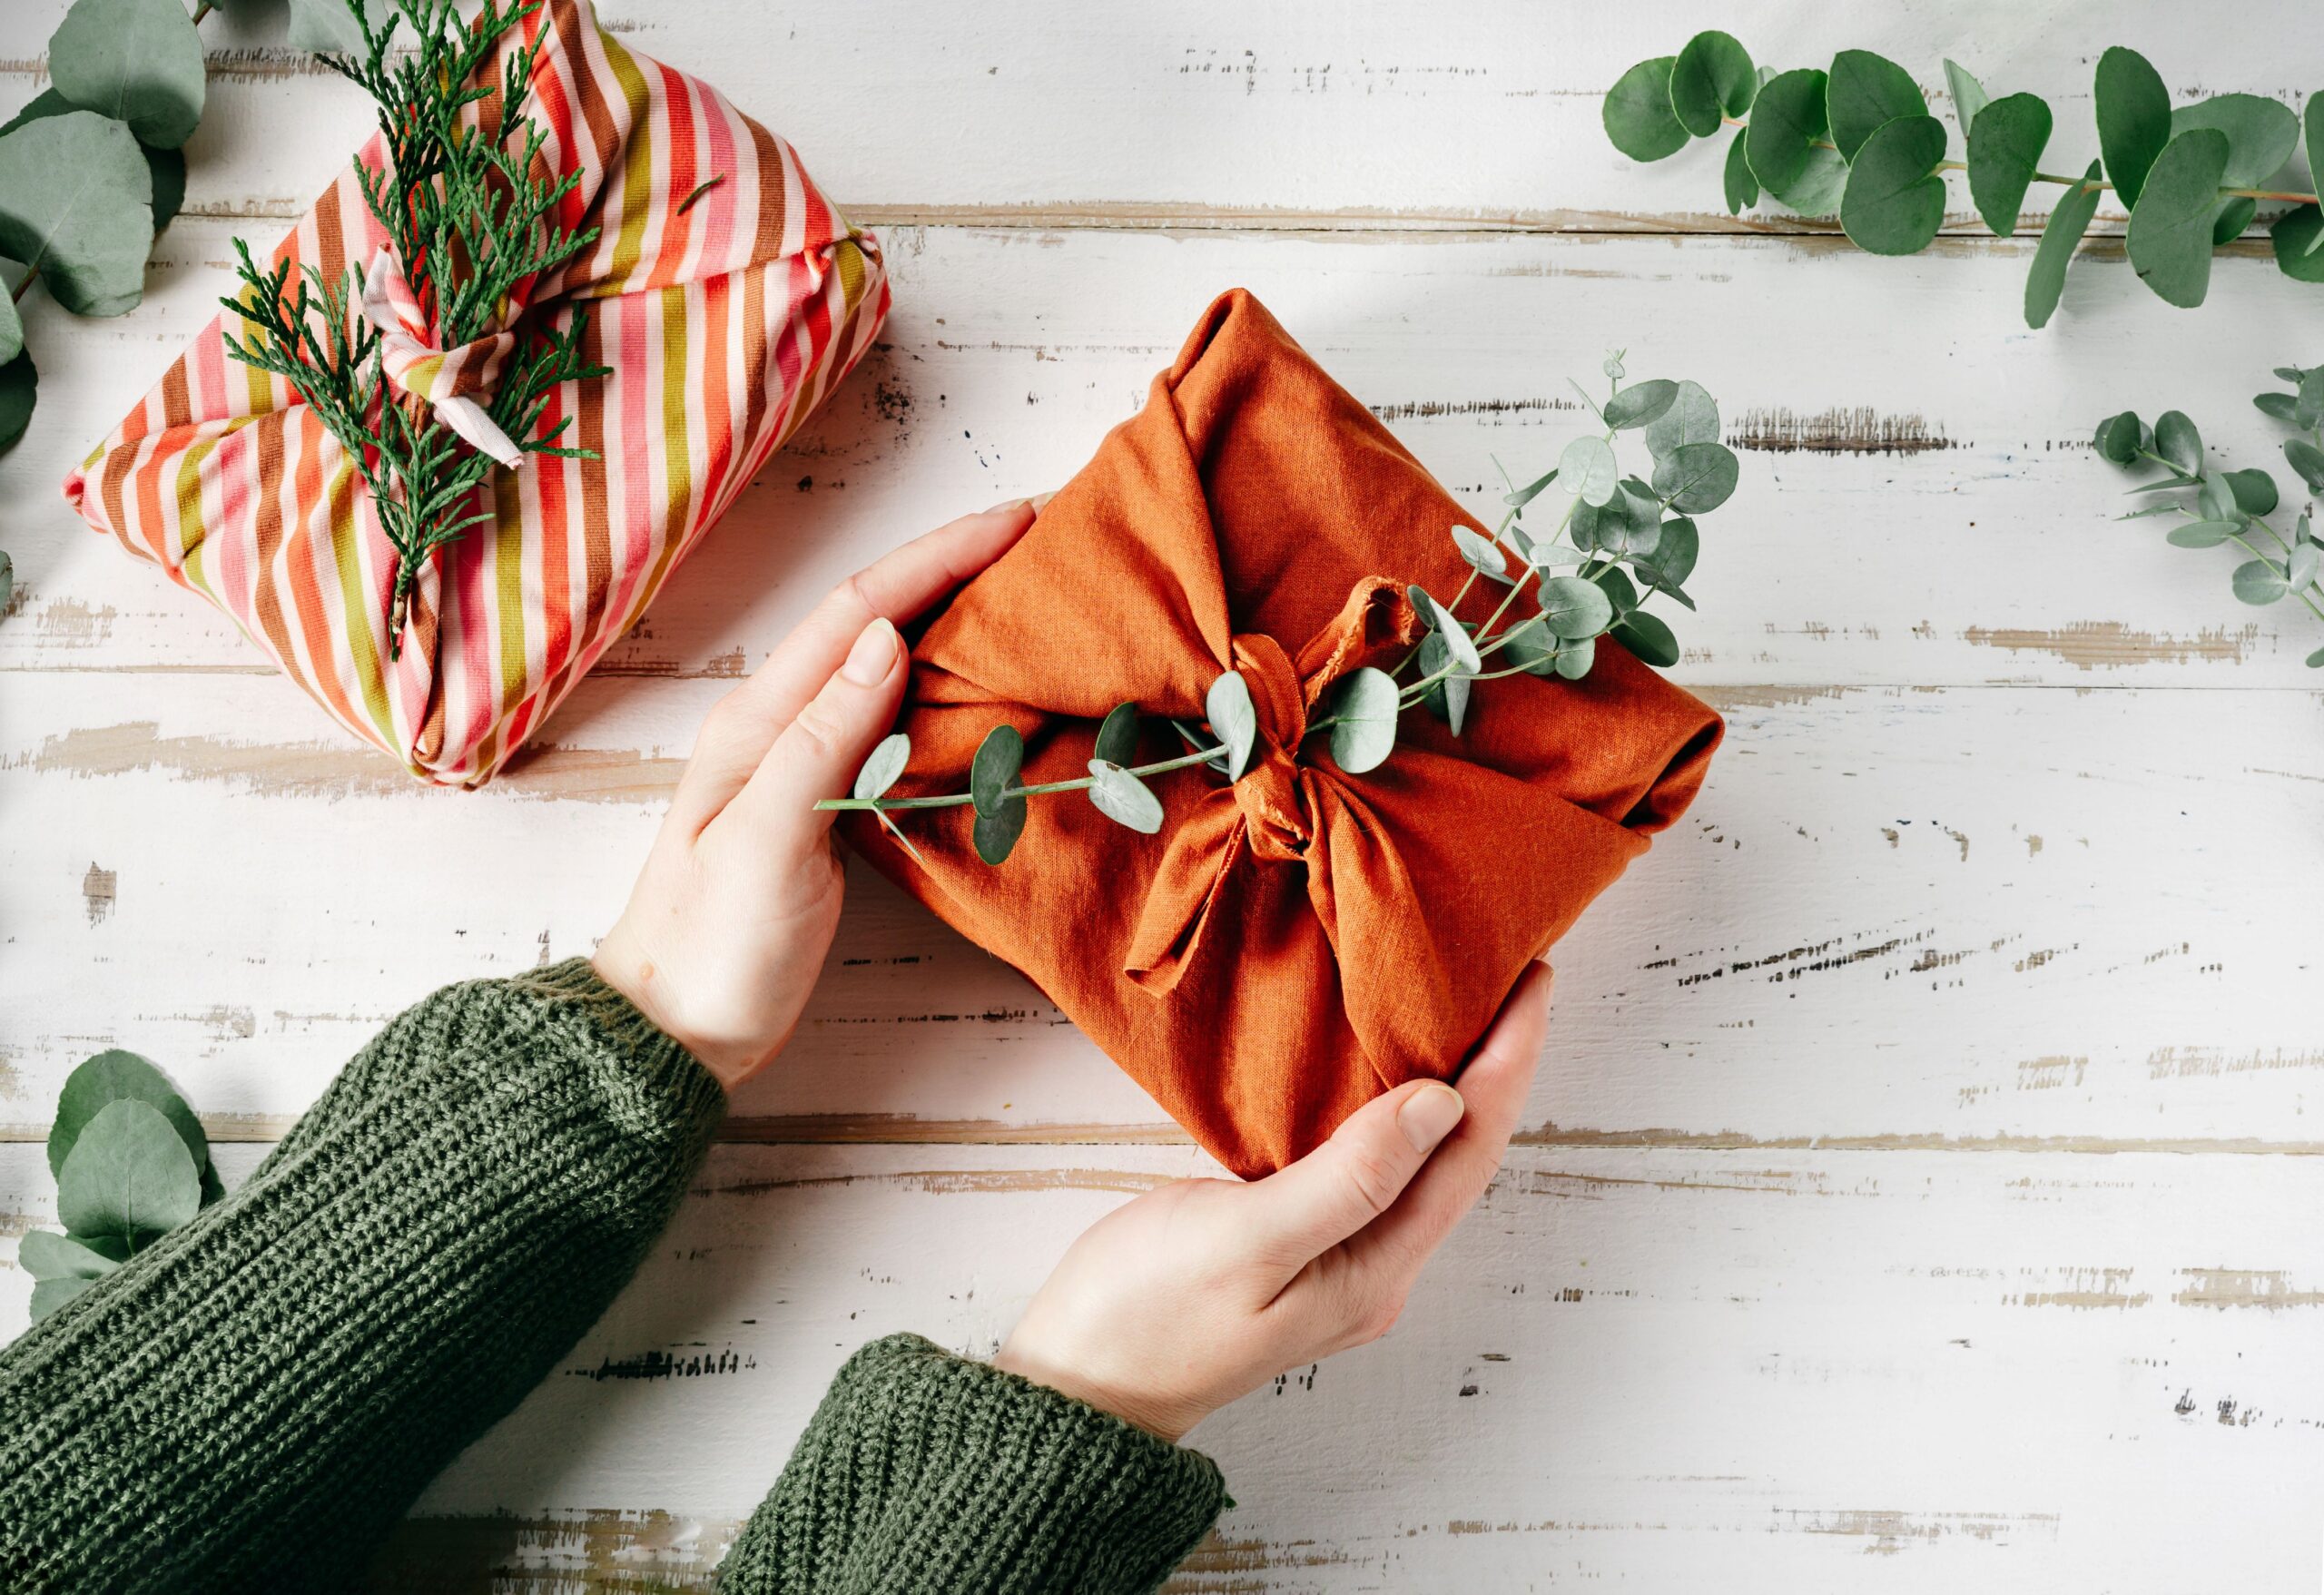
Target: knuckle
{"x": 819, "y": 731}
{"x": 1374, "y": 1177}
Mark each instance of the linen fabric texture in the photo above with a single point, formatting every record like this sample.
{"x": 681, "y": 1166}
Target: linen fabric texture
{"x": 726, "y": 321}
{"x": 1289, "y": 946}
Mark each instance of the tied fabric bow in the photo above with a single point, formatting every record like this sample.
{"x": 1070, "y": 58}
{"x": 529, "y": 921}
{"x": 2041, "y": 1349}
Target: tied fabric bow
{"x": 447, "y": 379}
{"x": 1291, "y": 944}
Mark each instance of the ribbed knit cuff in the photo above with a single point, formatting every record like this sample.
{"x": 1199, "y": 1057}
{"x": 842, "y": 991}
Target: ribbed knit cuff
{"x": 924, "y": 1473}
{"x": 611, "y": 1024}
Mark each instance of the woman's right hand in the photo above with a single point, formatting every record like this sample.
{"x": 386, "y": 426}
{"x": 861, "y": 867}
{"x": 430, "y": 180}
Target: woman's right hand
{"x": 1184, "y": 1299}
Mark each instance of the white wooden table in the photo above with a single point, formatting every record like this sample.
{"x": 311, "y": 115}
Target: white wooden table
{"x": 1920, "y": 1189}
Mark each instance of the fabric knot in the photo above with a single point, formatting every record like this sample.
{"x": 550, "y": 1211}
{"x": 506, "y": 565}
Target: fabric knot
{"x": 1270, "y": 792}
{"x": 446, "y": 378}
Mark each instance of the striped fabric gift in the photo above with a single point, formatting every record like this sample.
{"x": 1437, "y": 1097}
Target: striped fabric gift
{"x": 725, "y": 292}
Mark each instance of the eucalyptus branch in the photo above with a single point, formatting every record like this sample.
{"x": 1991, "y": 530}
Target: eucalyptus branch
{"x": 1858, "y": 142}
{"x": 1616, "y": 531}
{"x": 473, "y": 224}
{"x": 2227, "y": 506}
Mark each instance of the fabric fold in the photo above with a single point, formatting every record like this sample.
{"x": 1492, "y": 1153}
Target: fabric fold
{"x": 1289, "y": 945}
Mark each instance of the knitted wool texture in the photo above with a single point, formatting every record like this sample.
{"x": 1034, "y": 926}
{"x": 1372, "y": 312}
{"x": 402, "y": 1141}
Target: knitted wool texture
{"x": 254, "y": 1400}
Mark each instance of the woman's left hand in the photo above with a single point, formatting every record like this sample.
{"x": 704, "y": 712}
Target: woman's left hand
{"x": 727, "y": 927}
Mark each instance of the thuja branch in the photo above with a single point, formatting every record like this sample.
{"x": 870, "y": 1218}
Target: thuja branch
{"x": 471, "y": 219}
{"x": 1858, "y": 142}
{"x": 1625, "y": 541}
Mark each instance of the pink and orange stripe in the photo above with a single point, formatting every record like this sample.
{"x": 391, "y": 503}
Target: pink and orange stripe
{"x": 725, "y": 322}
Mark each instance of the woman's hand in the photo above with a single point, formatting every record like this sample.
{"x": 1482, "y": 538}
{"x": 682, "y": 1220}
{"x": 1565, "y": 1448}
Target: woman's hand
{"x": 1178, "y": 1302}
{"x": 728, "y": 924}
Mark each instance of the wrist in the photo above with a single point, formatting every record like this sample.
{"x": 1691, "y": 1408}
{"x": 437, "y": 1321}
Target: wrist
{"x": 626, "y": 968}
{"x": 1162, "y": 1419}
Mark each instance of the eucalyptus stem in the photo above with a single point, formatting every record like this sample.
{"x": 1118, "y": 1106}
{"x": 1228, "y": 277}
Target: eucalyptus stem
{"x": 953, "y": 801}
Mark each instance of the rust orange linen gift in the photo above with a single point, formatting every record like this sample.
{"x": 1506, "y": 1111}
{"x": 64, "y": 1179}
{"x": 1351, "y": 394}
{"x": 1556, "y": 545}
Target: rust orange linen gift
{"x": 1288, "y": 947}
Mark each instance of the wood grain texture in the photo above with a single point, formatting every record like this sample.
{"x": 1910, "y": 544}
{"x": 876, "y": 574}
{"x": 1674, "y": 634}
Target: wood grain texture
{"x": 1915, "y": 1196}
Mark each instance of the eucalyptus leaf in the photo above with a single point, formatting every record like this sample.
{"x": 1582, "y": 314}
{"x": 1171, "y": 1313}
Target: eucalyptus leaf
{"x": 1363, "y": 706}
{"x": 1821, "y": 184}
{"x": 1532, "y": 645}
{"x": 1645, "y": 636}
{"x": 1676, "y": 553}
{"x": 1696, "y": 479}
{"x": 117, "y": 1076}
{"x": 2260, "y": 581}
{"x": 2312, "y": 139}
{"x": 2202, "y": 534}
{"x": 2300, "y": 566}
{"x": 2295, "y": 235}
{"x": 1588, "y": 470}
{"x": 2178, "y": 441}
{"x": 128, "y": 1174}
{"x": 2316, "y": 660}
{"x": 165, "y": 167}
{"x": 1531, "y": 491}
{"x": 2233, "y": 215}
{"x": 2170, "y": 237}
{"x": 2309, "y": 410}
{"x": 2254, "y": 490}
{"x": 1448, "y": 699}
{"x": 1969, "y": 95}
{"x": 1639, "y": 403}
{"x": 45, "y": 1254}
{"x": 2004, "y": 148}
{"x": 1124, "y": 799}
{"x": 1234, "y": 720}
{"x": 1117, "y": 735}
{"x": 52, "y": 1294}
{"x": 1638, "y": 115}
{"x": 12, "y": 330}
{"x": 1574, "y": 660}
{"x": 76, "y": 204}
{"x": 2061, "y": 236}
{"x": 2260, "y": 134}
{"x": 2284, "y": 407}
{"x": 1866, "y": 92}
{"x": 1787, "y": 120}
{"x": 1458, "y": 643}
{"x": 999, "y": 758}
{"x": 1711, "y": 79}
{"x": 2216, "y": 498}
{"x": 2306, "y": 459}
{"x": 887, "y": 762}
{"x": 1894, "y": 203}
{"x": 7, "y": 580}
{"x": 1742, "y": 188}
{"x": 328, "y": 26}
{"x": 137, "y": 61}
{"x": 1483, "y": 554}
{"x": 2134, "y": 110}
{"x": 994, "y": 834}
{"x": 2118, "y": 437}
{"x": 1692, "y": 418}
{"x": 1575, "y": 607}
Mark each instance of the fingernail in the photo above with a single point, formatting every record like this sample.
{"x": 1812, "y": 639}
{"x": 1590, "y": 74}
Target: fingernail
{"x": 1009, "y": 503}
{"x": 1040, "y": 501}
{"x": 1429, "y": 1115}
{"x": 874, "y": 655}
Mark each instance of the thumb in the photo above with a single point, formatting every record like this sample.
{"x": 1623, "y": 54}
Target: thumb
{"x": 1353, "y": 1178}
{"x": 818, "y": 753}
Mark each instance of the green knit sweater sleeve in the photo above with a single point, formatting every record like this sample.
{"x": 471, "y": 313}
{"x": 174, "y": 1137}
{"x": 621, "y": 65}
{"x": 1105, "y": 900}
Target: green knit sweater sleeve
{"x": 923, "y": 1473}
{"x": 254, "y": 1400}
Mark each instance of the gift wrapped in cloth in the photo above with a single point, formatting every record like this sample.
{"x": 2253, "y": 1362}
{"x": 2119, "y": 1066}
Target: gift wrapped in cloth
{"x": 724, "y": 295}
{"x": 1292, "y": 944}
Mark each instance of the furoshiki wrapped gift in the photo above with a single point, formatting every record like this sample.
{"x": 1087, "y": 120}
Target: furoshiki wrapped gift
{"x": 723, "y": 297}
{"x": 1291, "y": 943}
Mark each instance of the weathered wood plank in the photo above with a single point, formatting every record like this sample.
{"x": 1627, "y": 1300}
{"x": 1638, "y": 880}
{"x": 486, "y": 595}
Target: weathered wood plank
{"x": 1894, "y": 913}
{"x": 1306, "y": 114}
{"x": 1892, "y": 1371}
{"x": 1918, "y": 503}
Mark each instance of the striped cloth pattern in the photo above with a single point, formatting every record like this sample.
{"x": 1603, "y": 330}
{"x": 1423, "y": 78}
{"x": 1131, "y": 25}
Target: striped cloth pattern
{"x": 726, "y": 323}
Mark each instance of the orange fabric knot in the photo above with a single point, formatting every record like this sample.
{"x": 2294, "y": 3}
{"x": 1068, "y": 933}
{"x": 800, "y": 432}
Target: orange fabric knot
{"x": 1273, "y": 803}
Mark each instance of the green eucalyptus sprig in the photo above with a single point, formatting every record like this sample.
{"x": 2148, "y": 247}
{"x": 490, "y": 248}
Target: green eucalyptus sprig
{"x": 1620, "y": 541}
{"x": 131, "y": 1164}
{"x": 470, "y": 216}
{"x": 2233, "y": 506}
{"x": 1858, "y": 142}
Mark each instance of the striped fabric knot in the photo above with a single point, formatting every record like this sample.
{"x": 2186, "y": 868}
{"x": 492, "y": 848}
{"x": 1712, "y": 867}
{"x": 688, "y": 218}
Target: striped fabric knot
{"x": 446, "y": 378}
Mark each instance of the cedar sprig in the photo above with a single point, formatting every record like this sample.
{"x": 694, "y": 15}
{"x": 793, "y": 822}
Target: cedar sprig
{"x": 1623, "y": 539}
{"x": 472, "y": 217}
